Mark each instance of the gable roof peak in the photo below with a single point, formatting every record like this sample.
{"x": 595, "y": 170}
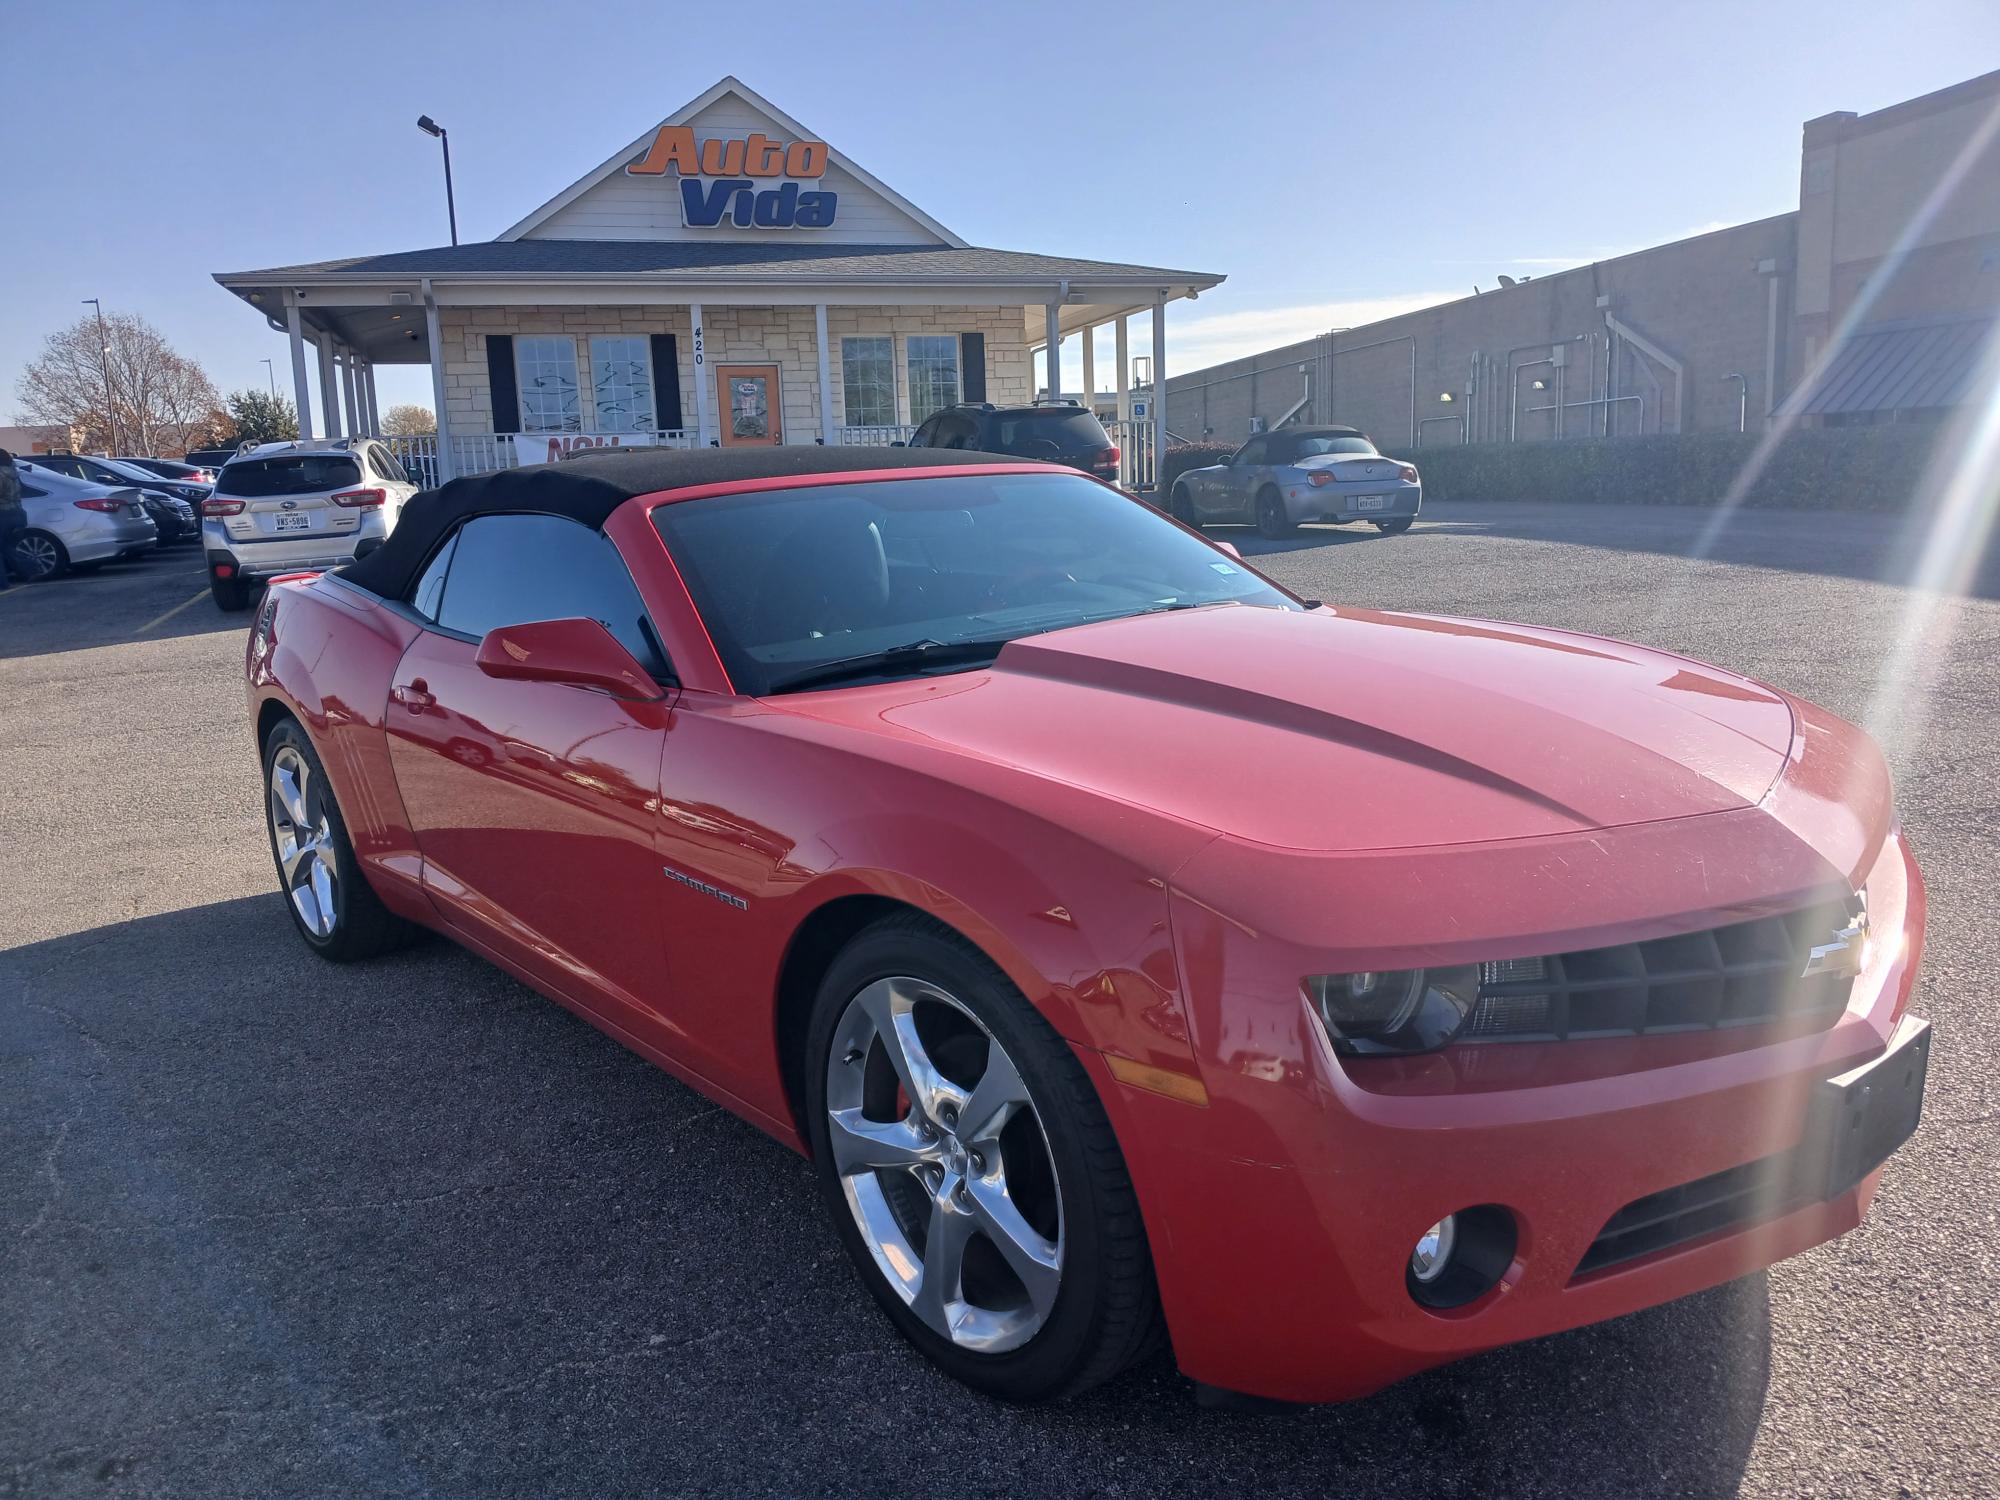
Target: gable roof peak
{"x": 728, "y": 84}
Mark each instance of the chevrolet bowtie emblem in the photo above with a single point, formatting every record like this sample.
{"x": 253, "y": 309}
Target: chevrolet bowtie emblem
{"x": 1843, "y": 954}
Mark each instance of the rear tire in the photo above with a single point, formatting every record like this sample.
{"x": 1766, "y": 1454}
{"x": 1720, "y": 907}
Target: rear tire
{"x": 321, "y": 882}
{"x": 1395, "y": 526}
{"x": 1046, "y": 1190}
{"x": 38, "y": 557}
{"x": 1274, "y": 522}
{"x": 230, "y": 594}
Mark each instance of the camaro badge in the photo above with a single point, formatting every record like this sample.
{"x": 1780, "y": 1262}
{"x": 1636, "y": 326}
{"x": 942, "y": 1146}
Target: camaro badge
{"x": 725, "y": 897}
{"x": 1844, "y": 954}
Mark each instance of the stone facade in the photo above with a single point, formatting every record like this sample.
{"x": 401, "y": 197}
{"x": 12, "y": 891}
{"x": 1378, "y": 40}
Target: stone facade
{"x": 783, "y": 336}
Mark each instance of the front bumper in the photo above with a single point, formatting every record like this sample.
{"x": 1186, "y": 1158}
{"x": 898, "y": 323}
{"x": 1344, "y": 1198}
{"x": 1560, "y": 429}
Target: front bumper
{"x": 1356, "y": 500}
{"x": 1282, "y": 1216}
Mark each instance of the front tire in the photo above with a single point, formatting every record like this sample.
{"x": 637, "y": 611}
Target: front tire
{"x": 1181, "y": 507}
{"x": 969, "y": 1166}
{"x": 38, "y": 557}
{"x": 332, "y": 905}
{"x": 1274, "y": 522}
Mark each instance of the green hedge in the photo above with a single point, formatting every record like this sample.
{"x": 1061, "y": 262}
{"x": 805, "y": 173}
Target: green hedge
{"x": 1834, "y": 468}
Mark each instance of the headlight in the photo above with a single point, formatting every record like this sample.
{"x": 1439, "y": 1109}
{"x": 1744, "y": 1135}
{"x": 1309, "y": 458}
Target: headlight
{"x": 1399, "y": 1010}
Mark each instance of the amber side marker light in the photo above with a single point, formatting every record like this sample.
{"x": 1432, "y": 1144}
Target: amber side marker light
{"x": 1157, "y": 1080}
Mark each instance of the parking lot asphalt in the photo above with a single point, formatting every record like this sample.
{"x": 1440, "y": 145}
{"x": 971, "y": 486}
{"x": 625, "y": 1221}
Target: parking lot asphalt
{"x": 271, "y": 1227}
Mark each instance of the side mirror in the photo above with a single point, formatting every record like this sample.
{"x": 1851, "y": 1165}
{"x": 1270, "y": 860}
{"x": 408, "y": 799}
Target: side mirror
{"x": 581, "y": 653}
{"x": 1230, "y": 548}
{"x": 899, "y": 443}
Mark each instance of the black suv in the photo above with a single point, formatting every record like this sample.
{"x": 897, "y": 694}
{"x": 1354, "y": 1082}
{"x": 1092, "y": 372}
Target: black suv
{"x": 1058, "y": 432}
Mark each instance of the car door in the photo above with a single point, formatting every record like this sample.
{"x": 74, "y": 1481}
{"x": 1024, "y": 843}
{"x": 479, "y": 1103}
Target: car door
{"x": 1229, "y": 495}
{"x": 534, "y": 803}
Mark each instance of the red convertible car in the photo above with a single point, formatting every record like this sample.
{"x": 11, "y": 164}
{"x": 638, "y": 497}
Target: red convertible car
{"x": 1135, "y": 948}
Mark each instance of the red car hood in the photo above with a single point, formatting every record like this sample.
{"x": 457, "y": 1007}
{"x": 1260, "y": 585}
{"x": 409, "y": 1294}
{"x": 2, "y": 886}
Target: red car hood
{"x": 1342, "y": 729}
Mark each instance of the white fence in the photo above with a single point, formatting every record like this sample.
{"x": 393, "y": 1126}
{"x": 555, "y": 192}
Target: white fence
{"x": 484, "y": 452}
{"x": 1135, "y": 452}
{"x": 870, "y": 437}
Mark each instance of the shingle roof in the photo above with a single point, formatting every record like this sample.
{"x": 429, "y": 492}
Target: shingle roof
{"x": 1897, "y": 367}
{"x": 722, "y": 260}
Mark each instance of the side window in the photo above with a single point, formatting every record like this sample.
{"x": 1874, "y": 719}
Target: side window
{"x": 430, "y": 588}
{"x": 511, "y": 570}
{"x": 386, "y": 465}
{"x": 925, "y": 436}
{"x": 1251, "y": 452}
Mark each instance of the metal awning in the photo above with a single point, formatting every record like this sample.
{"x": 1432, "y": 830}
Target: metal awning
{"x": 1912, "y": 366}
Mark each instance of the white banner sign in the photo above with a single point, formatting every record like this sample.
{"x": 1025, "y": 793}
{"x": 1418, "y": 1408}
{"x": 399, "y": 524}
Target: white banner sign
{"x": 547, "y": 447}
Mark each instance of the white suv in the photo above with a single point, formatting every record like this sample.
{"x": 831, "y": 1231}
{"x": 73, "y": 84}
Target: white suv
{"x": 295, "y": 507}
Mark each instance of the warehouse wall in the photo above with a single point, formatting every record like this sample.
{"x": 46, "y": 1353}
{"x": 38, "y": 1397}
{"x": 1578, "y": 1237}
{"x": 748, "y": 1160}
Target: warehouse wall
{"x": 1705, "y": 301}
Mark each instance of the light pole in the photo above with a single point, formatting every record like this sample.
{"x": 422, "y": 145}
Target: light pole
{"x": 271, "y": 375}
{"x": 104, "y": 367}
{"x": 431, "y": 127}
{"x": 1742, "y": 400}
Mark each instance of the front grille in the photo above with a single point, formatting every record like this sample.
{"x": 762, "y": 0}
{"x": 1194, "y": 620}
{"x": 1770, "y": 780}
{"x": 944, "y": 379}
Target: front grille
{"x": 1726, "y": 1200}
{"x": 1745, "y": 974}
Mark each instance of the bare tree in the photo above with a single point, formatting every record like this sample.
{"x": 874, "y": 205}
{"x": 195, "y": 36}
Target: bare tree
{"x": 408, "y": 421}
{"x": 127, "y": 391}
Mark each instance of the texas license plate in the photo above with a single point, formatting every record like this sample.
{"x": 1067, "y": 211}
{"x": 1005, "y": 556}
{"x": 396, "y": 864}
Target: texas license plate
{"x": 298, "y": 522}
{"x": 1372, "y": 502}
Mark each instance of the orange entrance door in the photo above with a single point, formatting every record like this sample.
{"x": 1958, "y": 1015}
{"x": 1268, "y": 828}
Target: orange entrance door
{"x": 750, "y": 405}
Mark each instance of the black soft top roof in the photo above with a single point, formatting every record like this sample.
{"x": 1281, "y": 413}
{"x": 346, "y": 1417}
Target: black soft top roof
{"x": 589, "y": 488}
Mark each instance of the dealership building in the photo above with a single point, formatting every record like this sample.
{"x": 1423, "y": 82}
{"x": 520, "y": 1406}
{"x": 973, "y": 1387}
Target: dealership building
{"x": 727, "y": 278}
{"x": 1870, "y": 302}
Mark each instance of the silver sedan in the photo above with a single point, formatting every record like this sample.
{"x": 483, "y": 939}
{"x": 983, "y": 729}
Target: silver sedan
{"x": 1278, "y": 480}
{"x": 74, "y": 522}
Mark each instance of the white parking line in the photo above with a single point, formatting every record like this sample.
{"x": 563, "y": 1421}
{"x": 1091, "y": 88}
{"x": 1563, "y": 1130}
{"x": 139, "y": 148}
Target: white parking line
{"x": 163, "y": 618}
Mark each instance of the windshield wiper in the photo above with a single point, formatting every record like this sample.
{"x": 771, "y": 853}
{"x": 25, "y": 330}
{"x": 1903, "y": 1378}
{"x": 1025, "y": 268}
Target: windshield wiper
{"x": 911, "y": 655}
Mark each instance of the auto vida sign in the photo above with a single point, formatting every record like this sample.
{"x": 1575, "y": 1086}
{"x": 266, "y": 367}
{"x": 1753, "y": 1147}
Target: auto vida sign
{"x": 752, "y": 183}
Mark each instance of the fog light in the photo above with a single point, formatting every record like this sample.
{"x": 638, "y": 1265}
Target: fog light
{"x": 1433, "y": 1252}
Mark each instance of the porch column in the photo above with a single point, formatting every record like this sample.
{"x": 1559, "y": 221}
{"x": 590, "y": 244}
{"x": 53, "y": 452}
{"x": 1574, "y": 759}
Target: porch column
{"x": 301, "y": 398}
{"x": 329, "y": 387}
{"x": 1124, "y": 372}
{"x": 447, "y": 468}
{"x": 701, "y": 392}
{"x": 368, "y": 397}
{"x": 356, "y": 427}
{"x": 1159, "y": 390}
{"x": 1090, "y": 367}
{"x": 825, "y": 376}
{"x": 1055, "y": 350}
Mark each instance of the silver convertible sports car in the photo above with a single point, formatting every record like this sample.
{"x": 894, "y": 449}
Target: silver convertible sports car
{"x": 1279, "y": 480}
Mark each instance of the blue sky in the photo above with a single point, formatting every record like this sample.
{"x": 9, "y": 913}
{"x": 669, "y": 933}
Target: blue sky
{"x": 1336, "y": 162}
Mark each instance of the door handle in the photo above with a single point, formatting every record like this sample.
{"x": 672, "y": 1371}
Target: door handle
{"x": 414, "y": 695}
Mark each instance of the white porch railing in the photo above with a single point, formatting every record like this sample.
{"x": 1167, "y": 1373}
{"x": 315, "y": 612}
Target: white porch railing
{"x": 485, "y": 452}
{"x": 1135, "y": 452}
{"x": 870, "y": 437}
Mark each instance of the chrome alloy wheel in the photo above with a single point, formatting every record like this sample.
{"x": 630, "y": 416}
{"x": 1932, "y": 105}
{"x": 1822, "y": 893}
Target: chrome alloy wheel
{"x": 943, "y": 1162}
{"x": 303, "y": 833}
{"x": 39, "y": 556}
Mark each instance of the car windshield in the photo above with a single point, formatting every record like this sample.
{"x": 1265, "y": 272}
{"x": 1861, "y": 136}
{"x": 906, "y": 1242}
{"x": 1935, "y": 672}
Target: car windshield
{"x": 790, "y": 582}
{"x": 1319, "y": 447}
{"x": 292, "y": 474}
